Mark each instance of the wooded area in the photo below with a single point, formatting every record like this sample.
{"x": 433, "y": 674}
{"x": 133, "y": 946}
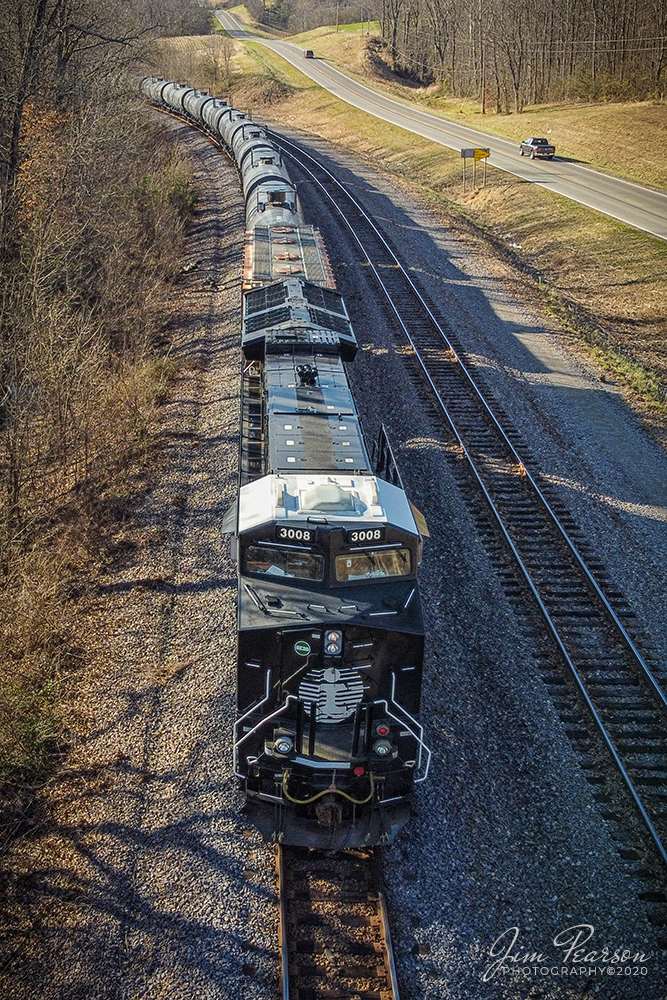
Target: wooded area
{"x": 511, "y": 53}
{"x": 507, "y": 53}
{"x": 86, "y": 196}
{"x": 92, "y": 204}
{"x": 294, "y": 16}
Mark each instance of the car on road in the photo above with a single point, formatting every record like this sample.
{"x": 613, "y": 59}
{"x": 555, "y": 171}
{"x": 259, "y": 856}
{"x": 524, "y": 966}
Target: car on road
{"x": 537, "y": 147}
{"x": 308, "y": 54}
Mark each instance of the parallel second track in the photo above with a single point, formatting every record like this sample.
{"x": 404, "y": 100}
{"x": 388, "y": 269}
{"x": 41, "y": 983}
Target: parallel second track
{"x": 623, "y": 699}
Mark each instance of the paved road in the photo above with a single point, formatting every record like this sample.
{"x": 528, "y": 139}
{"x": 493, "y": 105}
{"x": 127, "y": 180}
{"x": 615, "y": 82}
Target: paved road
{"x": 630, "y": 203}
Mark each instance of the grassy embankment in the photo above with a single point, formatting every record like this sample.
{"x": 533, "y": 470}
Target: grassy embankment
{"x": 606, "y": 282}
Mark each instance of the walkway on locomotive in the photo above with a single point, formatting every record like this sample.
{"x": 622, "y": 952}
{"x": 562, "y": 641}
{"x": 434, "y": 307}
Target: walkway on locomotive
{"x": 272, "y": 252}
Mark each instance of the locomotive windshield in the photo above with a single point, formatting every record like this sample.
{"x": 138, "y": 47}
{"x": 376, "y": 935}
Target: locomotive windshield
{"x": 284, "y": 562}
{"x": 373, "y": 564}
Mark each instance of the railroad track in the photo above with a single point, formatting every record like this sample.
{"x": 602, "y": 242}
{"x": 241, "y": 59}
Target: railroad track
{"x": 615, "y": 687}
{"x": 334, "y": 931}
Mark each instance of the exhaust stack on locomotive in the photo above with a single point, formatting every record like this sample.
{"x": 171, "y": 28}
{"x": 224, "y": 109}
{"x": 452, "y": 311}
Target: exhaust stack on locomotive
{"x": 330, "y": 649}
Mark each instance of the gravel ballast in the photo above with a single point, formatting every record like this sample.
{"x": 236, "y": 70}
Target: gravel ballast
{"x": 143, "y": 880}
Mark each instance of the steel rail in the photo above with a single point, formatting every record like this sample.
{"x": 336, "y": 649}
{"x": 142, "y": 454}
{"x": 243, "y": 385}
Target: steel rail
{"x": 334, "y": 924}
{"x": 386, "y": 931}
{"x": 283, "y": 943}
{"x": 298, "y": 154}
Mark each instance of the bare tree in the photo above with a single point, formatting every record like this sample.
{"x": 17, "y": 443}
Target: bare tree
{"x": 531, "y": 50}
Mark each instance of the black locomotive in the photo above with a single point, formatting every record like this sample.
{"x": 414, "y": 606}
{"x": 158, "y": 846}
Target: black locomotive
{"x": 330, "y": 648}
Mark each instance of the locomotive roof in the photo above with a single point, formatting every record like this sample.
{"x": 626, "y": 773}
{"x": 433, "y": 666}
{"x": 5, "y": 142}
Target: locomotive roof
{"x": 312, "y": 422}
{"x": 294, "y": 302}
{"x": 347, "y": 500}
{"x": 271, "y": 252}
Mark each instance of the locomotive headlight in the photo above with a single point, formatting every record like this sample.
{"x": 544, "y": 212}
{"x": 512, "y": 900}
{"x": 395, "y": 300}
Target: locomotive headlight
{"x": 382, "y": 747}
{"x": 333, "y": 642}
{"x": 283, "y": 744}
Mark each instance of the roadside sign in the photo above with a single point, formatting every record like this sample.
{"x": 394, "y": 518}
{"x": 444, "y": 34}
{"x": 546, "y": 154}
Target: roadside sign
{"x": 474, "y": 155}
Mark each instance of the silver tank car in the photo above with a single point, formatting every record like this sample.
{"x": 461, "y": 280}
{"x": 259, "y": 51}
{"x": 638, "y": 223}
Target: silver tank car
{"x": 194, "y": 102}
{"x": 172, "y": 95}
{"x": 152, "y": 87}
{"x": 270, "y": 196}
{"x": 211, "y": 114}
{"x": 227, "y": 125}
{"x": 249, "y": 132}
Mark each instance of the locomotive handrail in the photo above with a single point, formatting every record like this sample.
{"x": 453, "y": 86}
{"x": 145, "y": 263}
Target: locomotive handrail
{"x": 383, "y": 458}
{"x": 419, "y": 738}
{"x": 406, "y": 722}
{"x": 261, "y": 724}
{"x": 243, "y": 717}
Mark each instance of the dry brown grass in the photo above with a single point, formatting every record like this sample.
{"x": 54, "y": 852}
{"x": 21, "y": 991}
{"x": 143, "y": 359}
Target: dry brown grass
{"x": 44, "y": 580}
{"x": 34, "y": 657}
{"x": 82, "y": 317}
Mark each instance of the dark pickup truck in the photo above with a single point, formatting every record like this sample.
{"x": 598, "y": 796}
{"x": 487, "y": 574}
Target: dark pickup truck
{"x": 537, "y": 147}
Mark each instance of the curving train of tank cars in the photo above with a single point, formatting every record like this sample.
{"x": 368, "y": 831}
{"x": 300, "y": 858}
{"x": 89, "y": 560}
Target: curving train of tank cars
{"x": 330, "y": 636}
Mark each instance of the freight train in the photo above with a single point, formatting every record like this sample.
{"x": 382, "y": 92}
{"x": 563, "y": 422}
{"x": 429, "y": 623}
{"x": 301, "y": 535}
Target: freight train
{"x": 327, "y": 744}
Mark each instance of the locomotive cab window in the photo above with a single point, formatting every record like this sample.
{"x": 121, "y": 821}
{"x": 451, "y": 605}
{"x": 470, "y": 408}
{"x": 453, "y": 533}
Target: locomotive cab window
{"x": 373, "y": 565}
{"x": 270, "y": 561}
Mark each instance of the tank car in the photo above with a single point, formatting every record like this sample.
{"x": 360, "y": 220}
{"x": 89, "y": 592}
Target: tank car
{"x": 327, "y": 743}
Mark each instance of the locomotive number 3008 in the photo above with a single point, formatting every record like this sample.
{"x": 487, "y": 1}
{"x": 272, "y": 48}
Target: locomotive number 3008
{"x": 367, "y": 535}
{"x": 295, "y": 535}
